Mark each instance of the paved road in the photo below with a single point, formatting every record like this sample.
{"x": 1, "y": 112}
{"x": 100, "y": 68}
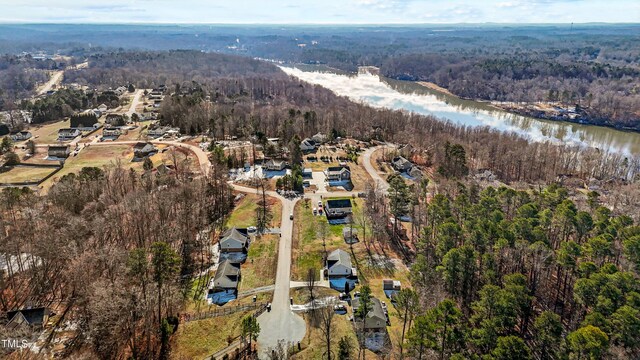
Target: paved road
{"x": 135, "y": 102}
{"x": 55, "y": 78}
{"x": 281, "y": 323}
{"x": 366, "y": 161}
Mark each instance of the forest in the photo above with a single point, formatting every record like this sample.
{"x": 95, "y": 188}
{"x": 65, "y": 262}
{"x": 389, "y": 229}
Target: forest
{"x": 113, "y": 253}
{"x": 506, "y": 274}
{"x": 19, "y": 76}
{"x": 237, "y": 96}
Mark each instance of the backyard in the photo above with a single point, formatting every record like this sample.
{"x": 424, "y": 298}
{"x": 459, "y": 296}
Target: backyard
{"x": 20, "y": 174}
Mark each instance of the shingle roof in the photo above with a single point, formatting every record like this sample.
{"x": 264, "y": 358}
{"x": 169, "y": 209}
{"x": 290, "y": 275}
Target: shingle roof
{"x": 234, "y": 234}
{"x": 223, "y": 279}
{"x": 32, "y": 316}
{"x": 340, "y": 257}
{"x": 376, "y": 308}
{"x": 338, "y": 203}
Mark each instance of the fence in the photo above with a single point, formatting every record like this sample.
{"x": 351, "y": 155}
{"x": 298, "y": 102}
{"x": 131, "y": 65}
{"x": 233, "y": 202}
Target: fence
{"x": 227, "y": 310}
{"x": 238, "y": 344}
{"x": 37, "y": 182}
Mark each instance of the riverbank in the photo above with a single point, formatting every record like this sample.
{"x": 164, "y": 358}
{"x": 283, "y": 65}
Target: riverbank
{"x": 539, "y": 110}
{"x": 436, "y": 87}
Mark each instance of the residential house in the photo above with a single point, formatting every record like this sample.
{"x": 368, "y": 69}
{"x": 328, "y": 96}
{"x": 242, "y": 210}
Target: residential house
{"x": 59, "y": 151}
{"x": 338, "y": 173}
{"x": 227, "y": 276}
{"x": 35, "y": 318}
{"x": 158, "y": 131}
{"x": 121, "y": 90}
{"x": 20, "y": 136}
{"x": 405, "y": 150}
{"x": 234, "y": 240}
{"x": 112, "y": 133}
{"x": 401, "y": 164}
{"x": 142, "y": 150}
{"x": 375, "y": 319}
{"x": 115, "y": 120}
{"x": 84, "y": 121}
{"x": 320, "y": 138}
{"x": 307, "y": 145}
{"x": 338, "y": 208}
{"x": 415, "y": 172}
{"x": 275, "y": 165}
{"x": 339, "y": 264}
{"x": 68, "y": 134}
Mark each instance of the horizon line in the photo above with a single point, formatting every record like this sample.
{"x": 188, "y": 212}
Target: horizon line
{"x": 20, "y": 22}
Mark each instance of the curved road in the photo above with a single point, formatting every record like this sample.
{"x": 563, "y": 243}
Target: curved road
{"x": 281, "y": 323}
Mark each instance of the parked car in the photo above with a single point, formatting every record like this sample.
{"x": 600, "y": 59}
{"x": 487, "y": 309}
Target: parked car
{"x": 290, "y": 216}
{"x": 315, "y": 211}
{"x": 345, "y": 296}
{"x": 269, "y": 307}
{"x": 339, "y": 308}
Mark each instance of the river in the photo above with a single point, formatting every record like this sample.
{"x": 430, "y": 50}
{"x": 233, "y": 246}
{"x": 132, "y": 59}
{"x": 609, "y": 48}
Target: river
{"x": 378, "y": 91}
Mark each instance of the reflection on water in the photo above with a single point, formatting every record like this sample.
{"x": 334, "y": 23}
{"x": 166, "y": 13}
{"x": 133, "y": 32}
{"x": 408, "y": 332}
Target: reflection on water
{"x": 404, "y": 95}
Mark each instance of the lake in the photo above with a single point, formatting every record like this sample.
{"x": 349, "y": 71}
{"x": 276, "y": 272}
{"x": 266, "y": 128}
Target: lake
{"x": 381, "y": 92}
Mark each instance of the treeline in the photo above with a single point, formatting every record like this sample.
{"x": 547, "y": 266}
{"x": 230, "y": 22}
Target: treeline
{"x": 504, "y": 274}
{"x": 147, "y": 70}
{"x": 606, "y": 93}
{"x": 112, "y": 253}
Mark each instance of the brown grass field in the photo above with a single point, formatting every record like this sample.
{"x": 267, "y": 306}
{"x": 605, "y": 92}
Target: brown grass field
{"x": 25, "y": 174}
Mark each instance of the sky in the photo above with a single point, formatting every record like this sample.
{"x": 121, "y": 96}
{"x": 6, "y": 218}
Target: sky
{"x": 321, "y": 11}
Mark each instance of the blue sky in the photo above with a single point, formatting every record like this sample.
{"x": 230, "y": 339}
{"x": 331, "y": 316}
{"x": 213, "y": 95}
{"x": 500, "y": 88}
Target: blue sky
{"x": 321, "y": 12}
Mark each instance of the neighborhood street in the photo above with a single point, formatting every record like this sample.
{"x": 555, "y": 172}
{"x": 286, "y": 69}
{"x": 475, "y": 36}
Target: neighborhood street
{"x": 366, "y": 162}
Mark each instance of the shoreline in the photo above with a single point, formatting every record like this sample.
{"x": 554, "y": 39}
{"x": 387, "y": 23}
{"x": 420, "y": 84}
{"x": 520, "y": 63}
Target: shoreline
{"x": 523, "y": 111}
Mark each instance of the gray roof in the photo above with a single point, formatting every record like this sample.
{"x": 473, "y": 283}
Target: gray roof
{"x": 234, "y": 235}
{"x": 227, "y": 275}
{"x": 339, "y": 256}
{"x": 401, "y": 162}
{"x": 376, "y": 311}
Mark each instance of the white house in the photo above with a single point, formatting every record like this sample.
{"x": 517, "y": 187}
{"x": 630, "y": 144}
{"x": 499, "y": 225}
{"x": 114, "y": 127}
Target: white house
{"x": 338, "y": 173}
{"x": 275, "y": 165}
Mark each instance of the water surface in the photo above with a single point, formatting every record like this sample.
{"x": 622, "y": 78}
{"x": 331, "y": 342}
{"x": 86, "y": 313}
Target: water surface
{"x": 378, "y": 91}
